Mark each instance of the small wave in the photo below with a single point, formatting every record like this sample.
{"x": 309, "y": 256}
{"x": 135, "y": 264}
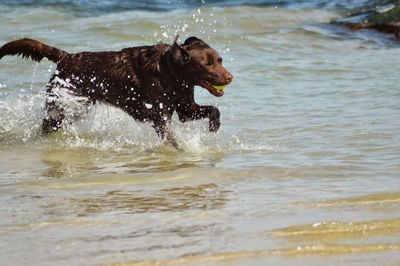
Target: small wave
{"x": 318, "y": 249}
{"x": 177, "y": 199}
{"x": 377, "y": 199}
{"x": 325, "y": 231}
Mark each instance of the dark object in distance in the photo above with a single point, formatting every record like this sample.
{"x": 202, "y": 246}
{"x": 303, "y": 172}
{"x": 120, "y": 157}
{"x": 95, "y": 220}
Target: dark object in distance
{"x": 383, "y": 16}
{"x": 150, "y": 83}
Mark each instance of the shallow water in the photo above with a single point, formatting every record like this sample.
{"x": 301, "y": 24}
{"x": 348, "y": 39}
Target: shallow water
{"x": 304, "y": 171}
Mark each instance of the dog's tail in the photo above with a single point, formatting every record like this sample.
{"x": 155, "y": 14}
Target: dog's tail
{"x": 33, "y": 49}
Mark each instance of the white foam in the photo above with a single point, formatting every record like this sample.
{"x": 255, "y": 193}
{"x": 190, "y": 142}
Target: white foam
{"x": 105, "y": 127}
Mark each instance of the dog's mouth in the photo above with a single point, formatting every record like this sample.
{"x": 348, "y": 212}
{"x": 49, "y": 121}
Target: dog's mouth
{"x": 208, "y": 86}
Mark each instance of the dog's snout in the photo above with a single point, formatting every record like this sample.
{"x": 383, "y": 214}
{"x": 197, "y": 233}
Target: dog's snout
{"x": 228, "y": 77}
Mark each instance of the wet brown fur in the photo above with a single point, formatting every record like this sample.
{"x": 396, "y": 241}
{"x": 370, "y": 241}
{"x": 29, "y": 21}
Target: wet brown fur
{"x": 150, "y": 83}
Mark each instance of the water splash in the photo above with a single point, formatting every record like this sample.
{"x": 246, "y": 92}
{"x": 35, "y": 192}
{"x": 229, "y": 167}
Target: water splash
{"x": 104, "y": 127}
{"x": 100, "y": 126}
{"x": 20, "y": 117}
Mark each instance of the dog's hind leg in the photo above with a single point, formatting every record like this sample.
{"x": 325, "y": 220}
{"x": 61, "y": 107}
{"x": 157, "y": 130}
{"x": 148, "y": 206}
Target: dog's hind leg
{"x": 165, "y": 133}
{"x": 64, "y": 102}
{"x": 54, "y": 116}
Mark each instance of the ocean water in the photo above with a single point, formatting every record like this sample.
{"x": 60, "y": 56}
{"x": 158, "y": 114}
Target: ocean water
{"x": 305, "y": 169}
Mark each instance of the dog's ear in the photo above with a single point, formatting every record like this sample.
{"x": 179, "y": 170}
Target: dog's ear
{"x": 195, "y": 42}
{"x": 178, "y": 54}
{"x": 192, "y": 40}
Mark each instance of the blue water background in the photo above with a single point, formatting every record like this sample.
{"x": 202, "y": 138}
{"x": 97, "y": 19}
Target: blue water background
{"x": 93, "y": 7}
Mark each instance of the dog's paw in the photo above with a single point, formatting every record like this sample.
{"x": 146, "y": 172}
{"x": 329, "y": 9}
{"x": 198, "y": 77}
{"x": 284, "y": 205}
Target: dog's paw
{"x": 214, "y": 126}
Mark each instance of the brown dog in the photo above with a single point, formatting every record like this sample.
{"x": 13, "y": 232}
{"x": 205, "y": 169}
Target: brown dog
{"x": 150, "y": 83}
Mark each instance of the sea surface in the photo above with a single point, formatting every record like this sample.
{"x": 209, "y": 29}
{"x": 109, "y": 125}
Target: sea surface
{"x": 305, "y": 169}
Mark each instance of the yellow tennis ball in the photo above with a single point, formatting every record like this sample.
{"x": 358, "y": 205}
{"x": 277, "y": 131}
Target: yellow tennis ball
{"x": 220, "y": 88}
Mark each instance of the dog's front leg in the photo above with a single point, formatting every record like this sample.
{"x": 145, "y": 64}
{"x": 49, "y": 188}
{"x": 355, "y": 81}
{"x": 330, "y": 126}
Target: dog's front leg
{"x": 195, "y": 112}
{"x": 214, "y": 116}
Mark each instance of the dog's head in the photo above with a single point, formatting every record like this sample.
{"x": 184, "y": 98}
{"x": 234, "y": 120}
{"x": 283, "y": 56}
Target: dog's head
{"x": 200, "y": 65}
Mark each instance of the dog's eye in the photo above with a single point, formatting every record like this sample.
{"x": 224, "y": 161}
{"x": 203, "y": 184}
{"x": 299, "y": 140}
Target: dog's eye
{"x": 210, "y": 63}
{"x": 220, "y": 60}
